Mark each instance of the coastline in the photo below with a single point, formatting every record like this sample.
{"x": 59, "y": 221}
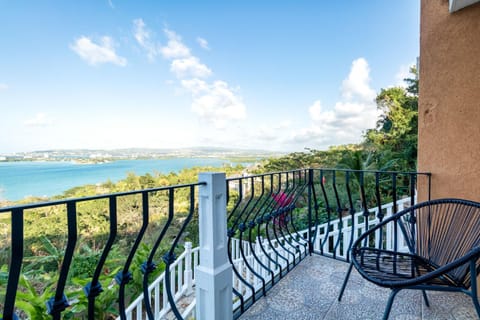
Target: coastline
{"x": 40, "y": 179}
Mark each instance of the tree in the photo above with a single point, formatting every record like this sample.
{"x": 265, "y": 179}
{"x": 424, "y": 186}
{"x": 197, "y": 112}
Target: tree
{"x": 395, "y": 136}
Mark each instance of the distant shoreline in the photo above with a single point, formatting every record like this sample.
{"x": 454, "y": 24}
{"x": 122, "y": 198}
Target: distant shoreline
{"x": 236, "y": 159}
{"x": 94, "y": 155}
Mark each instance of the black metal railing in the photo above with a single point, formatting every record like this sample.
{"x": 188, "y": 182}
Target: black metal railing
{"x": 346, "y": 203}
{"x": 263, "y": 219}
{"x": 276, "y": 219}
{"x": 149, "y": 224}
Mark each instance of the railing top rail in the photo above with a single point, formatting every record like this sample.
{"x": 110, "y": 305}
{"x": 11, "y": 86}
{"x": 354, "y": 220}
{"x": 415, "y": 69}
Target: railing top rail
{"x": 238, "y": 178}
{"x": 265, "y": 174}
{"x": 95, "y": 197}
{"x": 375, "y": 171}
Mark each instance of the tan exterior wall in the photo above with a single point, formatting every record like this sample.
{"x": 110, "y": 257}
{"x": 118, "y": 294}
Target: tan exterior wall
{"x": 449, "y": 101}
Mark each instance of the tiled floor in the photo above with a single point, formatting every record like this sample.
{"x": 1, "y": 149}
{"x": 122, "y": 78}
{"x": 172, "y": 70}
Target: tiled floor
{"x": 310, "y": 292}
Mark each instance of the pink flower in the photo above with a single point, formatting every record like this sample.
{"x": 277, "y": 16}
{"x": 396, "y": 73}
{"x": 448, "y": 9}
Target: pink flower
{"x": 282, "y": 199}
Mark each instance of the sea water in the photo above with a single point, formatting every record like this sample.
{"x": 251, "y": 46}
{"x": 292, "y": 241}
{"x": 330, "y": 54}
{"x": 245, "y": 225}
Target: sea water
{"x": 30, "y": 178}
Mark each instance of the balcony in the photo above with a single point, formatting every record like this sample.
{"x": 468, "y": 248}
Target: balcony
{"x": 310, "y": 291}
{"x": 268, "y": 246}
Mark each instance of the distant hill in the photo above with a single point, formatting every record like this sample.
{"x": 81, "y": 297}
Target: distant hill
{"x": 140, "y": 153}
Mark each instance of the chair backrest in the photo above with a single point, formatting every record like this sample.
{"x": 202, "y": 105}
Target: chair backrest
{"x": 445, "y": 230}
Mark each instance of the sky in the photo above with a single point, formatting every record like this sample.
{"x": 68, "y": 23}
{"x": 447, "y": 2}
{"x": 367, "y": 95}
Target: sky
{"x": 273, "y": 75}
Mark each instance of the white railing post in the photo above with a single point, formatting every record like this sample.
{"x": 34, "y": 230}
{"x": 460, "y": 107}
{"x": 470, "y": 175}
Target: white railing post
{"x": 187, "y": 274}
{"x": 258, "y": 250}
{"x": 213, "y": 276}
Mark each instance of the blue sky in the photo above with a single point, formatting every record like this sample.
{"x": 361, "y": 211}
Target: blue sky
{"x": 276, "y": 75}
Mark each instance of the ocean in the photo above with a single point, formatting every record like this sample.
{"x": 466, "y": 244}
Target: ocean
{"x": 28, "y": 178}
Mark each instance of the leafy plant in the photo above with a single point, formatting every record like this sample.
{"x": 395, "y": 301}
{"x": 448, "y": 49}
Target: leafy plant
{"x": 105, "y": 303}
{"x": 49, "y": 258}
{"x": 32, "y": 303}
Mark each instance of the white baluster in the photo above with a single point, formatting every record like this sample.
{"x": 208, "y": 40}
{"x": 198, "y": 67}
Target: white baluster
{"x": 188, "y": 269}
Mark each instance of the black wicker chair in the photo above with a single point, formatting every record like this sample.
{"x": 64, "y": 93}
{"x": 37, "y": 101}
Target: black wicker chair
{"x": 443, "y": 241}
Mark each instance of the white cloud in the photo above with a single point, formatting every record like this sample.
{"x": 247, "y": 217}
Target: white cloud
{"x": 312, "y": 136}
{"x": 110, "y": 3}
{"x": 272, "y": 132}
{"x": 317, "y": 113}
{"x": 402, "y": 73}
{"x": 142, "y": 35}
{"x": 3, "y": 86}
{"x": 355, "y": 112}
{"x": 175, "y": 47}
{"x": 195, "y": 86}
{"x": 189, "y": 67}
{"x": 356, "y": 85}
{"x": 97, "y": 53}
{"x": 217, "y": 102}
{"x": 40, "y": 120}
{"x": 213, "y": 102}
{"x": 283, "y": 124}
{"x": 203, "y": 43}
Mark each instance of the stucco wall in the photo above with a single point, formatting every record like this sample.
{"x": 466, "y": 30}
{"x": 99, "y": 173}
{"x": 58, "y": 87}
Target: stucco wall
{"x": 449, "y": 102}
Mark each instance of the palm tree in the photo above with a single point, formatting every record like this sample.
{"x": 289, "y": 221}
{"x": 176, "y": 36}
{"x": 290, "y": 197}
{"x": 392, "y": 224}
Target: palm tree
{"x": 361, "y": 162}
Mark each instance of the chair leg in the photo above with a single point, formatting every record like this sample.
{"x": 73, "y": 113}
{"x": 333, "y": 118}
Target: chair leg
{"x": 390, "y": 303}
{"x": 476, "y": 304}
{"x": 425, "y": 298}
{"x": 473, "y": 286}
{"x": 345, "y": 281}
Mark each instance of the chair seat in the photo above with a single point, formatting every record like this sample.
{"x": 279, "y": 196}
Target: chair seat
{"x": 390, "y": 269}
